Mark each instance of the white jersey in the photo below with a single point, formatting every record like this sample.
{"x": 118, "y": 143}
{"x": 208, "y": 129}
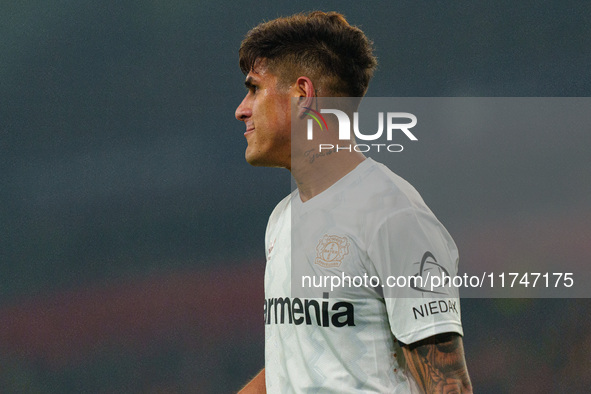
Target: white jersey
{"x": 346, "y": 339}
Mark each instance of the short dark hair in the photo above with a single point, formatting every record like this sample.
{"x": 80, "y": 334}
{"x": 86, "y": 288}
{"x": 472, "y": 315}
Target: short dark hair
{"x": 334, "y": 54}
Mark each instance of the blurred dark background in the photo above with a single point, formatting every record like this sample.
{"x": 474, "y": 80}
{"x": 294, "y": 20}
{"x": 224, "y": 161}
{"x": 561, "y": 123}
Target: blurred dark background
{"x": 131, "y": 232}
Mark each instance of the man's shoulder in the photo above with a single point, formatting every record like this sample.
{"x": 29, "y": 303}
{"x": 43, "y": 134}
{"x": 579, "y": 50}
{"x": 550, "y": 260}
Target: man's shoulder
{"x": 385, "y": 190}
{"x": 284, "y": 204}
{"x": 281, "y": 209}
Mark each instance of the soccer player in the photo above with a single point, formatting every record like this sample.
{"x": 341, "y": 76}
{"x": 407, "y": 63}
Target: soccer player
{"x": 349, "y": 216}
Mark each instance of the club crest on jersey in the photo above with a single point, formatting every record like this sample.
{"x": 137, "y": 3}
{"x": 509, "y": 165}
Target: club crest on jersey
{"x": 331, "y": 250}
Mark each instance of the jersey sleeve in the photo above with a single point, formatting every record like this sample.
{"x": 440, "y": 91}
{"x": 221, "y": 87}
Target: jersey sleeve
{"x": 413, "y": 244}
{"x": 275, "y": 216}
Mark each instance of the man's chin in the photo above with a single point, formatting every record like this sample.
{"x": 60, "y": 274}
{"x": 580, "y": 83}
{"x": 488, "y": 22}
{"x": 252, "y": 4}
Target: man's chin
{"x": 258, "y": 161}
{"x": 254, "y": 160}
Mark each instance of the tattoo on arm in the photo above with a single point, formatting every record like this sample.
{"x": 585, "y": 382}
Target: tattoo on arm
{"x": 438, "y": 364}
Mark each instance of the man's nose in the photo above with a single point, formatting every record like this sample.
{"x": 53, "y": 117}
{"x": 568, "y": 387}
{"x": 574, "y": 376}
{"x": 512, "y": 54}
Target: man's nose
{"x": 243, "y": 111}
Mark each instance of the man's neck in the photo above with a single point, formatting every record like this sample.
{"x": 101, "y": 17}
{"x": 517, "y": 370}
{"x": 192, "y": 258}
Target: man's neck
{"x": 317, "y": 171}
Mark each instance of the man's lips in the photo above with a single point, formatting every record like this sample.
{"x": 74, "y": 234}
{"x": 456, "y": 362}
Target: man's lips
{"x": 249, "y": 129}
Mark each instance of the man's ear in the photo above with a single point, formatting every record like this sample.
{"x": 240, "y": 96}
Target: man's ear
{"x": 304, "y": 90}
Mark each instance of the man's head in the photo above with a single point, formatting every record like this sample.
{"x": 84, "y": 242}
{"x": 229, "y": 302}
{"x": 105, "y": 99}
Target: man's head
{"x": 336, "y": 56}
{"x": 302, "y": 56}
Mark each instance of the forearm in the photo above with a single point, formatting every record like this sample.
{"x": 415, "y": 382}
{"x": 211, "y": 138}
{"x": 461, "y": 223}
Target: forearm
{"x": 256, "y": 385}
{"x": 438, "y": 364}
